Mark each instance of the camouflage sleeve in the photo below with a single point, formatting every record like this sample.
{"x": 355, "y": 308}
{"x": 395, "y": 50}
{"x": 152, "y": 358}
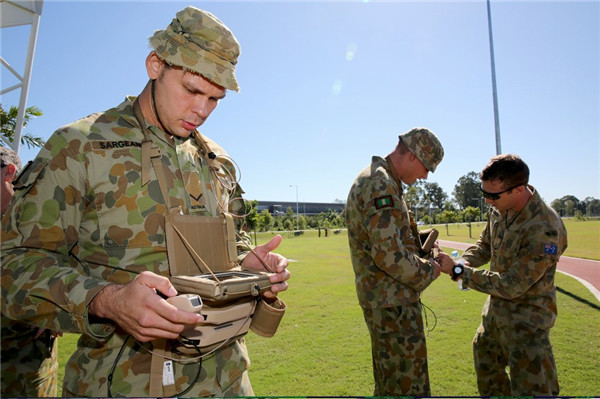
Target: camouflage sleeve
{"x": 42, "y": 281}
{"x": 521, "y": 269}
{"x": 480, "y": 253}
{"x": 393, "y": 248}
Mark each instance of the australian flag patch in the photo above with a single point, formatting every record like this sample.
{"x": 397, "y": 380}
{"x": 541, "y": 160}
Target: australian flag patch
{"x": 550, "y": 249}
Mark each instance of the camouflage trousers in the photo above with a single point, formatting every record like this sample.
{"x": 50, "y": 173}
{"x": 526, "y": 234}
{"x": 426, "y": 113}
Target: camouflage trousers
{"x": 29, "y": 365}
{"x": 398, "y": 350}
{"x": 525, "y": 351}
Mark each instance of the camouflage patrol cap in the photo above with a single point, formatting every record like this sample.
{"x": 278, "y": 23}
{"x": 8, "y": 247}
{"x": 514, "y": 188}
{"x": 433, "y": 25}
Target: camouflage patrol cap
{"x": 198, "y": 41}
{"x": 425, "y": 145}
{"x": 9, "y": 157}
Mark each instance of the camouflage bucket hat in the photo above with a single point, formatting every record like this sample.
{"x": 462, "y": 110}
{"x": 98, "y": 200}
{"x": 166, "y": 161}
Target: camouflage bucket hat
{"x": 198, "y": 41}
{"x": 425, "y": 145}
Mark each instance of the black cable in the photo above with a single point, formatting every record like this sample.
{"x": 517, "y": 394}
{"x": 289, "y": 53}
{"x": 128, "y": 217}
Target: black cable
{"x": 122, "y": 349}
{"x": 156, "y": 109}
{"x": 425, "y": 308}
{"x": 195, "y": 378}
{"x": 114, "y": 366}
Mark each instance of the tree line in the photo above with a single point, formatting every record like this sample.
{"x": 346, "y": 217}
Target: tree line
{"x": 429, "y": 205}
{"x": 570, "y": 206}
{"x": 265, "y": 221}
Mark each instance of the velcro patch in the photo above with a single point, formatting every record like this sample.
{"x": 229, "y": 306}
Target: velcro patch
{"x": 550, "y": 249}
{"x": 384, "y": 202}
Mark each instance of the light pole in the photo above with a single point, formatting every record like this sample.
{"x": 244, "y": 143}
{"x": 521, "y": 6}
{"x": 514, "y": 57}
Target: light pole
{"x": 297, "y": 213}
{"x": 494, "y": 90}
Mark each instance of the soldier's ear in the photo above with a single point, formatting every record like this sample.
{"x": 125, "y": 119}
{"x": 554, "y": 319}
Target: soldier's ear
{"x": 521, "y": 188}
{"x": 10, "y": 173}
{"x": 154, "y": 65}
{"x": 411, "y": 156}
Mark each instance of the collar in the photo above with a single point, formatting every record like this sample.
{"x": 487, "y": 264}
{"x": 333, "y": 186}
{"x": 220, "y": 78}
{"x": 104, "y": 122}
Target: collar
{"x": 167, "y": 138}
{"x": 392, "y": 171}
{"x": 528, "y": 211}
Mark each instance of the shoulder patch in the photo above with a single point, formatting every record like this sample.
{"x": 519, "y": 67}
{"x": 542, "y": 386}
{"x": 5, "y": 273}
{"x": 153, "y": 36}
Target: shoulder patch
{"x": 384, "y": 202}
{"x": 550, "y": 249}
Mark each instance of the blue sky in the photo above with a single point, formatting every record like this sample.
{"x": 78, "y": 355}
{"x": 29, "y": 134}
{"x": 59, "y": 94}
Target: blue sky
{"x": 326, "y": 85}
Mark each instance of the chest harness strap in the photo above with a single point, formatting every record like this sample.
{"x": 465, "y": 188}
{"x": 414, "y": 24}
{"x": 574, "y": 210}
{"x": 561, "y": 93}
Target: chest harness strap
{"x": 151, "y": 159}
{"x": 160, "y": 370}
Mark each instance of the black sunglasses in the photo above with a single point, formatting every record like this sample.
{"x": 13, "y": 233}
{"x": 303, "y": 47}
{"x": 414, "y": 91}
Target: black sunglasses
{"x": 496, "y": 196}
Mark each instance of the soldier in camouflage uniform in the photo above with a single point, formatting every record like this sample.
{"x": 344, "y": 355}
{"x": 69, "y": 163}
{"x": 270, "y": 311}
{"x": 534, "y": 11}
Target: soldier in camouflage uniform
{"x": 522, "y": 240}
{"x": 83, "y": 246}
{"x": 390, "y": 274}
{"x": 29, "y": 363}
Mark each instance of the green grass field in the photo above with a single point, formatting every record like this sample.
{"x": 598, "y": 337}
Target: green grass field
{"x": 322, "y": 345}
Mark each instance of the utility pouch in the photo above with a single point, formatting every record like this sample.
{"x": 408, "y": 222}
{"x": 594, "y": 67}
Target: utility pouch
{"x": 424, "y": 239}
{"x": 267, "y": 317}
{"x": 427, "y": 239}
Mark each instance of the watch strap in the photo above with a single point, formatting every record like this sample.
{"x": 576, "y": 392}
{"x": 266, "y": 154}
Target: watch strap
{"x": 456, "y": 275}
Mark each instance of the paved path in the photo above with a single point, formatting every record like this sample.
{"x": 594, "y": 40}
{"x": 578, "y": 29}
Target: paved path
{"x": 585, "y": 270}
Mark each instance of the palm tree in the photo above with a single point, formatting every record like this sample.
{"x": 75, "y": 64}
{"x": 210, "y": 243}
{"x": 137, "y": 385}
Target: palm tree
{"x": 9, "y": 123}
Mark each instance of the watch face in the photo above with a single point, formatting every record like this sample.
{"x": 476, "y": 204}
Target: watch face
{"x": 458, "y": 269}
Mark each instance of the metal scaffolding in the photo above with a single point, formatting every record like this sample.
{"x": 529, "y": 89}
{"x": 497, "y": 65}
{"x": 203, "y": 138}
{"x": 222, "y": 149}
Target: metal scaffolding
{"x": 17, "y": 13}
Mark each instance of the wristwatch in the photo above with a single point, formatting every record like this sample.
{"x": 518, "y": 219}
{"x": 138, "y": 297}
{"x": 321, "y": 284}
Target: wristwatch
{"x": 457, "y": 271}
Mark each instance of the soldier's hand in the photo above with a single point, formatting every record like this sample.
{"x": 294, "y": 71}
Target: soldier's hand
{"x": 276, "y": 262}
{"x": 445, "y": 262}
{"x": 140, "y": 311}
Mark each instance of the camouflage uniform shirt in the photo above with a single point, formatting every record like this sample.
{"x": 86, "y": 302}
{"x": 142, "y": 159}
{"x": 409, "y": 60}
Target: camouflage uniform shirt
{"x": 523, "y": 254}
{"x": 80, "y": 220}
{"x": 384, "y": 253}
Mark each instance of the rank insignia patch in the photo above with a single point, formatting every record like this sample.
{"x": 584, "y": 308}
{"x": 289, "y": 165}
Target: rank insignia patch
{"x": 550, "y": 249}
{"x": 384, "y": 202}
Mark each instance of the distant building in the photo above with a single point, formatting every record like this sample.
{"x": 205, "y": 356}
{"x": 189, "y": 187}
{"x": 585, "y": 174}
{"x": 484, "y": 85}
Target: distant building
{"x": 304, "y": 208}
